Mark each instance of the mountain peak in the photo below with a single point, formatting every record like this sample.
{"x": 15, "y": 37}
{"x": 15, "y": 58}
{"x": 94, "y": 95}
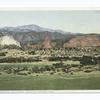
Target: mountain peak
{"x": 29, "y": 28}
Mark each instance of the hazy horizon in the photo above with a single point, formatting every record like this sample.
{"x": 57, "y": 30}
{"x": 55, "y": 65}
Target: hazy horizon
{"x": 69, "y": 21}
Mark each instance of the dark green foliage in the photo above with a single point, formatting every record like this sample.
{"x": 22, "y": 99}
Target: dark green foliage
{"x": 90, "y": 60}
{"x": 59, "y": 65}
{"x": 9, "y": 71}
{"x": 3, "y": 53}
{"x": 36, "y": 69}
{"x": 18, "y": 59}
{"x": 53, "y": 58}
{"x": 52, "y": 73}
{"x": 11, "y": 47}
{"x": 31, "y": 52}
{"x": 88, "y": 70}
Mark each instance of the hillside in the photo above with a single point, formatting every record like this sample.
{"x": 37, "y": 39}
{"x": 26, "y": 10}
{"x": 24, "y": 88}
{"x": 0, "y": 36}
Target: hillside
{"x": 84, "y": 41}
{"x": 33, "y": 36}
{"x": 8, "y": 40}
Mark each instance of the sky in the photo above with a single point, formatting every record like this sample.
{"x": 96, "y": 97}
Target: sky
{"x": 69, "y": 21}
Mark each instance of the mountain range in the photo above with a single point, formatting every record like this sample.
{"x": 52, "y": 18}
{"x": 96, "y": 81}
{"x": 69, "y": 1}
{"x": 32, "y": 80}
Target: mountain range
{"x": 34, "y": 36}
{"x": 28, "y": 28}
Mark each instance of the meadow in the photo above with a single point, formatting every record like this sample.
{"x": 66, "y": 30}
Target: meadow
{"x": 47, "y": 80}
{"x": 64, "y": 69}
{"x": 50, "y": 82}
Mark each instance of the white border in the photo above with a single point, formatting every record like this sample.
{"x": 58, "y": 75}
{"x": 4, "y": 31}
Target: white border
{"x": 49, "y": 91}
{"x": 46, "y": 8}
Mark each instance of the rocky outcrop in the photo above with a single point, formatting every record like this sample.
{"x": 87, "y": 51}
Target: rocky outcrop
{"x": 83, "y": 41}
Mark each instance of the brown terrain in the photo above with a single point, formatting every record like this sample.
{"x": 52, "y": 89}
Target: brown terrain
{"x": 47, "y": 44}
{"x": 77, "y": 41}
{"x": 83, "y": 41}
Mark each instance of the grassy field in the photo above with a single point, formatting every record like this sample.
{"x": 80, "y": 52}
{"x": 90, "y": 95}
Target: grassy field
{"x": 50, "y": 82}
{"x": 18, "y": 71}
{"x": 46, "y": 81}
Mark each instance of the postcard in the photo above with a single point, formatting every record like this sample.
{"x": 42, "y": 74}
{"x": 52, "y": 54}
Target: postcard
{"x": 49, "y": 50}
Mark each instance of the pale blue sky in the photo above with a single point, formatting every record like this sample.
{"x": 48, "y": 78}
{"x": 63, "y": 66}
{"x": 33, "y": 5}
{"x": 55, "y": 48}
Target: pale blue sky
{"x": 71, "y": 21}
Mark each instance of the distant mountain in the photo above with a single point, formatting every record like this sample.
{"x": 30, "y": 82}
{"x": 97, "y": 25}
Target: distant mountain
{"x": 34, "y": 36}
{"x": 89, "y": 40}
{"x": 28, "y": 28}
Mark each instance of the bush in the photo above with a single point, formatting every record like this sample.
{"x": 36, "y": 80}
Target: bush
{"x": 65, "y": 70}
{"x": 58, "y": 65}
{"x": 29, "y": 72}
{"x": 71, "y": 73}
{"x": 25, "y": 68}
{"x": 11, "y": 47}
{"x": 88, "y": 70}
{"x": 31, "y": 52}
{"x": 15, "y": 71}
{"x": 35, "y": 69}
{"x": 90, "y": 60}
{"x": 9, "y": 71}
{"x": 3, "y": 53}
{"x": 48, "y": 68}
{"x": 22, "y": 73}
{"x": 52, "y": 73}
{"x": 58, "y": 70}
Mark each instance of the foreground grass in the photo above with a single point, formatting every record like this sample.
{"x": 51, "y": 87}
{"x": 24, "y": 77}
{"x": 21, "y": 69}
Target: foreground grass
{"x": 45, "y": 81}
{"x": 50, "y": 82}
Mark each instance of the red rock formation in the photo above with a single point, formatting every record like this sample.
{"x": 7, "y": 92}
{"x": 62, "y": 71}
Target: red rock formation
{"x": 47, "y": 43}
{"x": 83, "y": 41}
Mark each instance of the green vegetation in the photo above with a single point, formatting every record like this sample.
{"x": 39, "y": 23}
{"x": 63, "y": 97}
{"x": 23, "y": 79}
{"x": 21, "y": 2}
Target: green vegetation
{"x": 49, "y": 82}
{"x": 3, "y": 53}
{"x": 10, "y": 47}
{"x": 58, "y": 69}
{"x": 32, "y": 76}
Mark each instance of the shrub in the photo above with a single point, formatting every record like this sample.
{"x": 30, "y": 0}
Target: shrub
{"x": 58, "y": 70}
{"x": 25, "y": 68}
{"x": 11, "y": 47}
{"x": 9, "y": 71}
{"x": 58, "y": 65}
{"x": 29, "y": 72}
{"x": 71, "y": 73}
{"x": 3, "y": 53}
{"x": 88, "y": 70}
{"x": 89, "y": 60}
{"x": 15, "y": 71}
{"x": 35, "y": 69}
{"x": 22, "y": 73}
{"x": 47, "y": 68}
{"x": 65, "y": 70}
{"x": 52, "y": 73}
{"x": 31, "y": 52}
